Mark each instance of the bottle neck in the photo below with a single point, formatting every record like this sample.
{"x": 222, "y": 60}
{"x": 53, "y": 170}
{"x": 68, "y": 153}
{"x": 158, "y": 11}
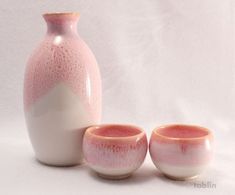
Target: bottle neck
{"x": 61, "y": 23}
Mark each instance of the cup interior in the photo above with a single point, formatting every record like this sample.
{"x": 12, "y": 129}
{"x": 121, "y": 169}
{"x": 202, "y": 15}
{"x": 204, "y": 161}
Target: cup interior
{"x": 115, "y": 131}
{"x": 182, "y": 131}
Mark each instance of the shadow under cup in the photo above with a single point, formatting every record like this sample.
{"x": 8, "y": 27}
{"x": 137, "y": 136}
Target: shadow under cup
{"x": 181, "y": 151}
{"x": 114, "y": 151}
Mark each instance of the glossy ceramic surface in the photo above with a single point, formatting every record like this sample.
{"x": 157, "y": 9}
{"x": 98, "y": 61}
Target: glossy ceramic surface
{"x": 114, "y": 151}
{"x": 181, "y": 151}
{"x": 62, "y": 92}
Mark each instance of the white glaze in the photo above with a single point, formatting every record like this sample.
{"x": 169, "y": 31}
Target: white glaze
{"x": 180, "y": 172}
{"x": 56, "y": 124}
{"x": 113, "y": 172}
{"x": 175, "y": 151}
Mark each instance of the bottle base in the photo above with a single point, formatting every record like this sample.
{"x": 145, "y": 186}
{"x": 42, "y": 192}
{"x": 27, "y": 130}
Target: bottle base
{"x": 59, "y": 164}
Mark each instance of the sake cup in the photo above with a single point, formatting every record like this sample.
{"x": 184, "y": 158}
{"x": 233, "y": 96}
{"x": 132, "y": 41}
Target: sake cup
{"x": 114, "y": 151}
{"x": 180, "y": 151}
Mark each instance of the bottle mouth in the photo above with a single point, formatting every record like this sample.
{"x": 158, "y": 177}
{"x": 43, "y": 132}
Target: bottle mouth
{"x": 61, "y": 13}
{"x": 57, "y": 16}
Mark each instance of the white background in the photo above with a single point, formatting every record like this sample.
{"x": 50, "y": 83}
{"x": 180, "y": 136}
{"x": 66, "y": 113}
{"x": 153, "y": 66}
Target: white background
{"x": 162, "y": 61}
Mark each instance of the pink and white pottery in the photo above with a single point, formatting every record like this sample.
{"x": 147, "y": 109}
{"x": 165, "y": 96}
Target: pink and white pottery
{"x": 181, "y": 151}
{"x": 62, "y": 92}
{"x": 114, "y": 151}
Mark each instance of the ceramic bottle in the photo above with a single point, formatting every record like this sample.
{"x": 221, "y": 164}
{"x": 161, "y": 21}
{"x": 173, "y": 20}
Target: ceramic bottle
{"x": 62, "y": 92}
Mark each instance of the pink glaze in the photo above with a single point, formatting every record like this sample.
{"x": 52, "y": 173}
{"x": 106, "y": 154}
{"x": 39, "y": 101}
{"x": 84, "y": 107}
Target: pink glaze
{"x": 181, "y": 131}
{"x": 63, "y": 57}
{"x": 181, "y": 145}
{"x": 115, "y": 146}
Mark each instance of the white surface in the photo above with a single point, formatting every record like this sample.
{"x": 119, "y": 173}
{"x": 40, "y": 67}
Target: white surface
{"x": 181, "y": 172}
{"x": 56, "y": 129}
{"x": 162, "y": 61}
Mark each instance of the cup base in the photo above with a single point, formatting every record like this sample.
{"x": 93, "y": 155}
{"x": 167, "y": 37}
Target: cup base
{"x": 180, "y": 178}
{"x": 114, "y": 177}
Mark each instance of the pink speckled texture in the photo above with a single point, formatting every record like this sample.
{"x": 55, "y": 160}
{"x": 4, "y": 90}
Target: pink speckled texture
{"x": 118, "y": 151}
{"x": 181, "y": 145}
{"x": 63, "y": 57}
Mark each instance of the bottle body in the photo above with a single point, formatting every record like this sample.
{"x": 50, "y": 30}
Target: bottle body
{"x": 62, "y": 93}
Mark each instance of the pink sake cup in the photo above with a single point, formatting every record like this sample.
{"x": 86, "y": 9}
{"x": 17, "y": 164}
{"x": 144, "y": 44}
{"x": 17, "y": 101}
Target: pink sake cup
{"x": 181, "y": 151}
{"x": 114, "y": 151}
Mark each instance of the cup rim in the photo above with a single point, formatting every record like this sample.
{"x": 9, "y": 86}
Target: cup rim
{"x": 90, "y": 133}
{"x": 208, "y": 132}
